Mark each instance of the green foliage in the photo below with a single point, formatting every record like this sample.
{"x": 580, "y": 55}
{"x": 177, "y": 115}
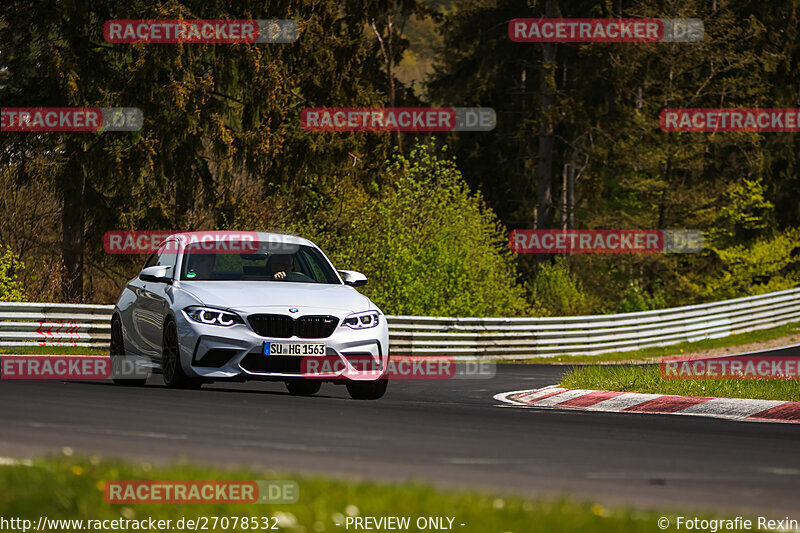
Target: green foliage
{"x": 11, "y": 289}
{"x": 735, "y": 187}
{"x": 635, "y": 298}
{"x": 746, "y": 208}
{"x": 68, "y": 487}
{"x": 768, "y": 264}
{"x": 221, "y": 121}
{"x": 557, "y": 292}
{"x": 222, "y": 144}
{"x": 428, "y": 245}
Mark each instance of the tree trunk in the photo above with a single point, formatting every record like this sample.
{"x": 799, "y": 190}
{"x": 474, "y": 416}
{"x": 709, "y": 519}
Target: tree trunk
{"x": 184, "y": 196}
{"x": 390, "y": 74}
{"x": 568, "y": 196}
{"x": 564, "y": 210}
{"x": 73, "y": 182}
{"x": 386, "y": 49}
{"x": 546, "y": 136}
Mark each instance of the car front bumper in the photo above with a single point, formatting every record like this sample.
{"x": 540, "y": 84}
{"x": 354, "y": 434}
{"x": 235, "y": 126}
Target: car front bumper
{"x": 237, "y": 352}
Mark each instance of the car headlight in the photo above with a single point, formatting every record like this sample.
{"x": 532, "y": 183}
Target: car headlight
{"x": 213, "y": 317}
{"x": 370, "y": 319}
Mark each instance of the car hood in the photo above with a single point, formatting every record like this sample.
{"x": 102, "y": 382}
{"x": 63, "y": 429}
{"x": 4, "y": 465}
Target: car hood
{"x": 247, "y": 295}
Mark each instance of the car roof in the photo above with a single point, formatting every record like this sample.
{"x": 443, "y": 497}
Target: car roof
{"x": 261, "y": 236}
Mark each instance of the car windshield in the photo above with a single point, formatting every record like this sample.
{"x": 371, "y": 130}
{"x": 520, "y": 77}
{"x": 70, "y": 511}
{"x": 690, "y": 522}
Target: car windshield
{"x": 300, "y": 264}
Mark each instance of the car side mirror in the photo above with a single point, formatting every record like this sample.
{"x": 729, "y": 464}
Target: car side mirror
{"x": 156, "y": 274}
{"x": 353, "y": 278}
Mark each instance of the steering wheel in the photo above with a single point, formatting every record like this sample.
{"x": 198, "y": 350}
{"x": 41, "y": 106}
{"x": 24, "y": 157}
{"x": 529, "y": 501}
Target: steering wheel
{"x": 297, "y": 276}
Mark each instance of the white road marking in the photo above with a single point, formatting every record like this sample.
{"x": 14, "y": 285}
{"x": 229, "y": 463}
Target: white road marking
{"x": 124, "y": 433}
{"x": 473, "y": 461}
{"x": 504, "y": 396}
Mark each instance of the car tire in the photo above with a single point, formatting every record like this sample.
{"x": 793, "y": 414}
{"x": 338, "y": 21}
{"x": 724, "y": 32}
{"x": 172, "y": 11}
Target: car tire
{"x": 367, "y": 390}
{"x": 116, "y": 352}
{"x": 171, "y": 368}
{"x": 303, "y": 387}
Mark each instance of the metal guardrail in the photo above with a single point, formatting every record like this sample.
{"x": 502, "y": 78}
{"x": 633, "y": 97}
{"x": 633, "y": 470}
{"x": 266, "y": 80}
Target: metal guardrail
{"x": 590, "y": 335}
{"x": 44, "y": 324}
{"x": 47, "y": 324}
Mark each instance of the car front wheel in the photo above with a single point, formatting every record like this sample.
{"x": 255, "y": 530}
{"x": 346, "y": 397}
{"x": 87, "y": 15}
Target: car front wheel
{"x": 171, "y": 368}
{"x": 117, "y": 356}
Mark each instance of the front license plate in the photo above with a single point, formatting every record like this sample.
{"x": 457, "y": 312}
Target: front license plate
{"x": 293, "y": 348}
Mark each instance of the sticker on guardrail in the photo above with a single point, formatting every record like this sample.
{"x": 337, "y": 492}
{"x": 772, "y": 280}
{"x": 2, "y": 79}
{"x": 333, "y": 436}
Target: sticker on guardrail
{"x": 731, "y": 368}
{"x": 60, "y": 332}
{"x": 409, "y": 367}
{"x": 605, "y": 241}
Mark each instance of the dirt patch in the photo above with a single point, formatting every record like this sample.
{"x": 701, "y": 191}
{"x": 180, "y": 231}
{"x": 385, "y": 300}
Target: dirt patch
{"x": 789, "y": 340}
{"x": 780, "y": 342}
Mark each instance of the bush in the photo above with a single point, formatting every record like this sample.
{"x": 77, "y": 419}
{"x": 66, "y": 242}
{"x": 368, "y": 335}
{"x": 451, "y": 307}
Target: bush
{"x": 428, "y": 245}
{"x": 768, "y": 264}
{"x": 635, "y": 298}
{"x": 10, "y": 286}
{"x": 557, "y": 292}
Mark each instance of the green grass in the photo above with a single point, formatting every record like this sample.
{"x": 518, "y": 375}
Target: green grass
{"x": 683, "y": 348}
{"x": 71, "y": 488}
{"x": 53, "y": 350}
{"x": 647, "y": 379}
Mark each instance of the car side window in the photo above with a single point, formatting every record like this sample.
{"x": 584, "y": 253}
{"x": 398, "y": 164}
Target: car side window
{"x": 166, "y": 256}
{"x": 311, "y": 268}
{"x": 151, "y": 261}
{"x": 163, "y": 257}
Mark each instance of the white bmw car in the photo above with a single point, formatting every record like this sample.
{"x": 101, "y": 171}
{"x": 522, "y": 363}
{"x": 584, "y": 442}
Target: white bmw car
{"x": 200, "y": 313}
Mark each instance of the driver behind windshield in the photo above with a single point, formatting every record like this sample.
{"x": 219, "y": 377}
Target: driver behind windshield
{"x": 278, "y": 265}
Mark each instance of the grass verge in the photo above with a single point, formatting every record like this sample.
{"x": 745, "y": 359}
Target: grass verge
{"x": 53, "y": 350}
{"x": 647, "y": 379}
{"x": 71, "y": 488}
{"x": 683, "y": 348}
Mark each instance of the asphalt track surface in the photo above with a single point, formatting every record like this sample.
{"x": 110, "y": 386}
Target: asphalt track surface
{"x": 451, "y": 433}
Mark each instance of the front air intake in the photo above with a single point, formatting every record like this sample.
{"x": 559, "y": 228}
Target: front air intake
{"x": 284, "y": 326}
